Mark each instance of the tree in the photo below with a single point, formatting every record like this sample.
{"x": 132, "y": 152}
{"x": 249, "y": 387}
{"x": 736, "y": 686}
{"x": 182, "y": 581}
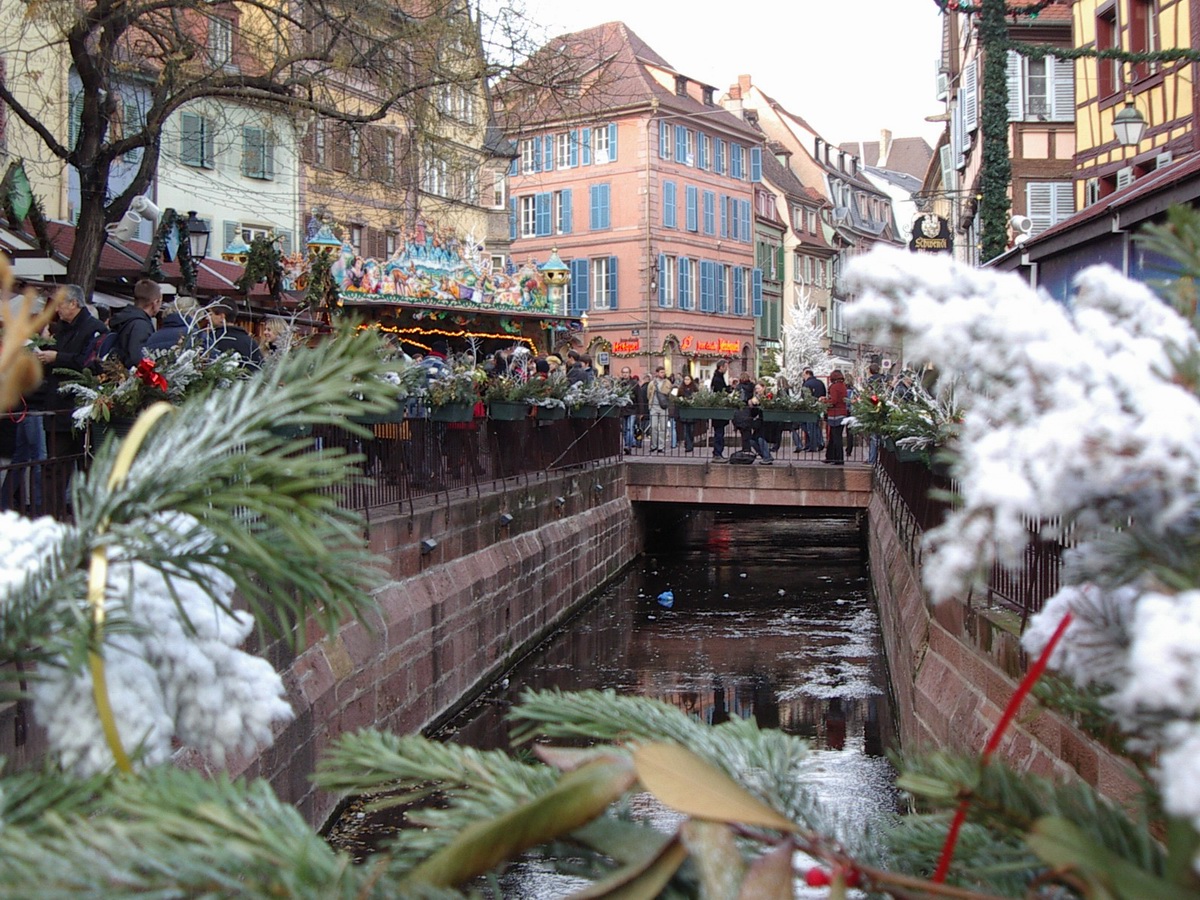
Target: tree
{"x": 354, "y": 63}
{"x": 805, "y": 343}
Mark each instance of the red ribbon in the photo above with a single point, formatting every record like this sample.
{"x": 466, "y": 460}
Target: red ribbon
{"x": 145, "y": 371}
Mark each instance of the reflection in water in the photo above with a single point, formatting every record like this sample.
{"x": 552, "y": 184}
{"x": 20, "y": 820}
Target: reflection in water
{"x": 772, "y": 619}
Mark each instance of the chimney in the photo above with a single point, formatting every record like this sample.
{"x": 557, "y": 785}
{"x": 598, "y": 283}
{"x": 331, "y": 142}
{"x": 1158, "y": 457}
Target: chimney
{"x": 885, "y": 146}
{"x": 744, "y": 84}
{"x": 733, "y": 102}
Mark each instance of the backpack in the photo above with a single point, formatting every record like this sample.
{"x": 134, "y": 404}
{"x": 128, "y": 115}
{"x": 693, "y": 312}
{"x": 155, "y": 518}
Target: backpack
{"x": 103, "y": 343}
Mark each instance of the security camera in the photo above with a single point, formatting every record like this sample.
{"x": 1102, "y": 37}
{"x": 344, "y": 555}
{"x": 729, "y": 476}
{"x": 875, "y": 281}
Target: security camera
{"x": 1021, "y": 224}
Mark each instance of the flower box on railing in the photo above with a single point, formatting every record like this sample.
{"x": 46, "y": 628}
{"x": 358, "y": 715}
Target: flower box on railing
{"x": 452, "y": 412}
{"x": 789, "y": 415}
{"x": 551, "y": 413}
{"x": 585, "y": 412}
{"x": 720, "y": 413}
{"x": 508, "y": 410}
{"x": 613, "y": 411}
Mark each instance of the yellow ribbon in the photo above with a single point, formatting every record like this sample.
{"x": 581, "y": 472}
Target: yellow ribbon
{"x": 98, "y": 580}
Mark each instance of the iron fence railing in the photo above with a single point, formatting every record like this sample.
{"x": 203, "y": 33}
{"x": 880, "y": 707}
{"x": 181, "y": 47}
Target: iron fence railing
{"x": 918, "y": 500}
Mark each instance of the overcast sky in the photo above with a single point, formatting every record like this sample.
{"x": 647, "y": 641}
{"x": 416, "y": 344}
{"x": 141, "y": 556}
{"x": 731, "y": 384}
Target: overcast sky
{"x": 850, "y": 67}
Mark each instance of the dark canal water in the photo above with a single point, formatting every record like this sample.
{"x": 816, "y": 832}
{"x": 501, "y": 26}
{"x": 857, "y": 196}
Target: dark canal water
{"x": 772, "y": 618}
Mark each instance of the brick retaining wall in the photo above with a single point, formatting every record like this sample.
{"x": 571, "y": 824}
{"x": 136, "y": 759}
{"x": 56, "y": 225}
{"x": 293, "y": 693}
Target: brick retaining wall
{"x": 953, "y": 670}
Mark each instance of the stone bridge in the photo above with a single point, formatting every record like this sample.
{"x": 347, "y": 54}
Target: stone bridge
{"x": 807, "y": 484}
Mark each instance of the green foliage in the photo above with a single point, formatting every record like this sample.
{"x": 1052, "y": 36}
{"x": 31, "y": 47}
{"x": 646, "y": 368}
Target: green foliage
{"x": 706, "y": 399}
{"x": 264, "y": 263}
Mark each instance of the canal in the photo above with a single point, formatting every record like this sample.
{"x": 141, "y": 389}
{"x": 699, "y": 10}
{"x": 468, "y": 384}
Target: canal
{"x": 771, "y": 616}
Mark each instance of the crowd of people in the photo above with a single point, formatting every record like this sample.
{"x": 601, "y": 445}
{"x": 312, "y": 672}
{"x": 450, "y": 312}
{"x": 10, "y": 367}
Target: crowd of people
{"x": 655, "y": 424}
{"x": 82, "y": 337}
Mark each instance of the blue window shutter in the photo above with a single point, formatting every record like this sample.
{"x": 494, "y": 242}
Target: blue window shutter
{"x": 747, "y": 233}
{"x": 710, "y": 212}
{"x": 735, "y": 160}
{"x": 739, "y": 291}
{"x": 662, "y": 286}
{"x": 579, "y": 286}
{"x": 594, "y": 207}
{"x": 612, "y": 142}
{"x": 664, "y": 140}
{"x": 537, "y": 154}
{"x": 721, "y": 201}
{"x": 719, "y": 156}
{"x": 612, "y": 282}
{"x": 734, "y": 220}
{"x": 585, "y": 145}
{"x": 721, "y": 274}
{"x": 599, "y": 218}
{"x": 756, "y": 292}
{"x": 607, "y": 210}
{"x": 756, "y": 163}
{"x": 669, "y": 216}
{"x": 512, "y": 169}
{"x": 693, "y": 214}
{"x": 548, "y": 157}
{"x": 573, "y": 147}
{"x": 567, "y": 224}
{"x": 682, "y": 293}
{"x": 705, "y": 300}
{"x": 542, "y": 216}
{"x": 680, "y": 144}
{"x": 512, "y": 219}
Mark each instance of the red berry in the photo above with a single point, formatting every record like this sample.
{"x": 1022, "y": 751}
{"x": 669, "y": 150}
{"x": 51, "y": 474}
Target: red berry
{"x": 817, "y": 877}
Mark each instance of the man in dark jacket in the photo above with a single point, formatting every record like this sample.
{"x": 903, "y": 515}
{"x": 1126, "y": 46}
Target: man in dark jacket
{"x": 814, "y": 440}
{"x": 134, "y": 324}
{"x": 170, "y": 333}
{"x": 718, "y": 386}
{"x": 73, "y": 336}
{"x": 228, "y": 337}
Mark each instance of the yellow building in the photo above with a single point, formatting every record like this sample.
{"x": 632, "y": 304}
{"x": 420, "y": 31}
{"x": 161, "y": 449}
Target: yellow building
{"x": 1164, "y": 93}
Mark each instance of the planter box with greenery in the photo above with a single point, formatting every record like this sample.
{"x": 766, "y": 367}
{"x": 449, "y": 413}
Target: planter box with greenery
{"x": 709, "y": 405}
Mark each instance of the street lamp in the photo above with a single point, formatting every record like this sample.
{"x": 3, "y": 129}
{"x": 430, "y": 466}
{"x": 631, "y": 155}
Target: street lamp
{"x": 557, "y": 275}
{"x": 198, "y": 234}
{"x": 1129, "y": 125}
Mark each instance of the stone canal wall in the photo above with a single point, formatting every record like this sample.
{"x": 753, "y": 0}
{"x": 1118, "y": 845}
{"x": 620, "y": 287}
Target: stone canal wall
{"x": 954, "y": 668}
{"x": 451, "y": 616}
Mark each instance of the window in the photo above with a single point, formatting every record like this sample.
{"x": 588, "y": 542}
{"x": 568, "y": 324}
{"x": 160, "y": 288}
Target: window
{"x": 258, "y": 153}
{"x": 356, "y": 152}
{"x": 602, "y": 145}
{"x": 690, "y": 157}
{"x": 318, "y": 143}
{"x": 735, "y": 161}
{"x": 437, "y": 176}
{"x": 1040, "y": 89}
{"x": 837, "y": 321}
{"x": 702, "y": 152}
{"x": 665, "y": 146}
{"x": 604, "y": 282}
{"x": 666, "y": 281}
{"x": 599, "y": 218}
{"x": 670, "y": 216}
{"x": 196, "y": 141}
{"x": 810, "y": 221}
{"x": 391, "y": 243}
{"x": 562, "y": 150}
{"x": 1048, "y": 203}
{"x": 499, "y": 190}
{"x": 1108, "y": 70}
{"x": 529, "y": 155}
{"x": 718, "y": 156}
{"x": 528, "y": 217}
{"x": 355, "y": 233}
{"x": 1143, "y": 35}
{"x": 562, "y": 212}
{"x": 739, "y": 291}
{"x": 686, "y": 294}
{"x": 470, "y": 186}
{"x": 722, "y": 288}
{"x": 692, "y": 196}
{"x": 220, "y": 41}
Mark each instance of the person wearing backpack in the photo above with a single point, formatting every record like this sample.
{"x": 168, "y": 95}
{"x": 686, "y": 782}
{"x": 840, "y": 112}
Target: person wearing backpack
{"x": 134, "y": 324}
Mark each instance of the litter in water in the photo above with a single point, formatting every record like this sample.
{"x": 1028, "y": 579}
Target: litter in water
{"x": 667, "y": 599}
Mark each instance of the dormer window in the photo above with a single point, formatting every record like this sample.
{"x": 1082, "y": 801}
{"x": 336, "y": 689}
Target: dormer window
{"x": 681, "y": 84}
{"x": 708, "y": 97}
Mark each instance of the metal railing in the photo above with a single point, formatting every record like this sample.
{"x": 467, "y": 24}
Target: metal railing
{"x": 918, "y": 500}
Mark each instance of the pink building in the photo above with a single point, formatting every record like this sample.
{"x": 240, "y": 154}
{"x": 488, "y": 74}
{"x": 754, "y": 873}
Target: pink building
{"x": 645, "y": 185}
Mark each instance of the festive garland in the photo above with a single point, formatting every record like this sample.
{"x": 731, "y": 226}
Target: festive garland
{"x": 159, "y": 251}
{"x": 996, "y": 170}
{"x": 1026, "y": 9}
{"x": 1040, "y": 51}
{"x": 264, "y": 262}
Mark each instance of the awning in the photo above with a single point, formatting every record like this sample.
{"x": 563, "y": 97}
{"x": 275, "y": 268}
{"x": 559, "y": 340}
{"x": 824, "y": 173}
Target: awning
{"x": 99, "y": 298}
